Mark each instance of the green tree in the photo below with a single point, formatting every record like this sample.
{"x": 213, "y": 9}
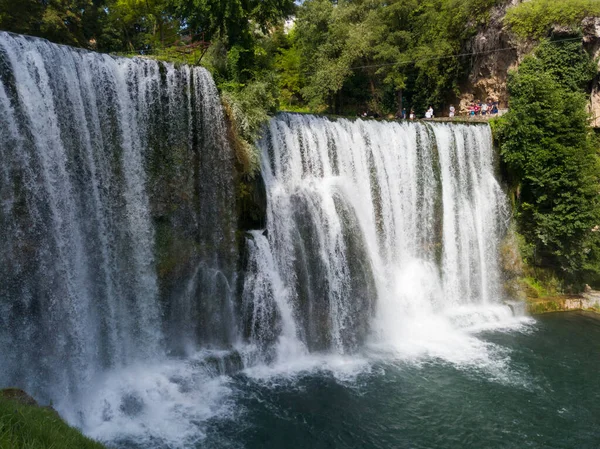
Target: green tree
{"x": 288, "y": 64}
{"x": 551, "y": 155}
{"x": 378, "y": 51}
{"x": 23, "y": 17}
{"x": 535, "y": 18}
{"x": 234, "y": 27}
{"x": 71, "y": 22}
{"x": 138, "y": 25}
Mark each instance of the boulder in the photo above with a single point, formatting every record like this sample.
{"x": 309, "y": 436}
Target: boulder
{"x": 17, "y": 395}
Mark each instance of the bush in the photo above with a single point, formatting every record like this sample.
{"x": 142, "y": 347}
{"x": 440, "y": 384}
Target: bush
{"x": 550, "y": 153}
{"x": 247, "y": 109}
{"x": 535, "y": 18}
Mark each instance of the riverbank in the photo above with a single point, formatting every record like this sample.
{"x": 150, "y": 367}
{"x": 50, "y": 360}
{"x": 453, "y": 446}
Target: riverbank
{"x": 26, "y": 425}
{"x": 588, "y": 300}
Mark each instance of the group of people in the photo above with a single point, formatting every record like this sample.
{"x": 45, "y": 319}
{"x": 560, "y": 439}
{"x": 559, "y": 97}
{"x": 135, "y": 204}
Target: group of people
{"x": 412, "y": 115}
{"x": 475, "y": 108}
{"x": 482, "y": 108}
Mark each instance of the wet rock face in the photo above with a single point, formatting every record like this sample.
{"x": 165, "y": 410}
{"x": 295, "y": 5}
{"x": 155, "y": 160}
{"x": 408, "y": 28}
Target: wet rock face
{"x": 511, "y": 264}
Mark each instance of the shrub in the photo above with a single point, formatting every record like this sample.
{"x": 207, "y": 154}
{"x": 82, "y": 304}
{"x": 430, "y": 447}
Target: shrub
{"x": 551, "y": 154}
{"x": 535, "y": 18}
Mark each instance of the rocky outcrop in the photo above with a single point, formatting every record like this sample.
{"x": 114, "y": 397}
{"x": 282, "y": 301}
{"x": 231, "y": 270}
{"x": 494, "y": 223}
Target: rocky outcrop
{"x": 511, "y": 264}
{"x": 588, "y": 300}
{"x": 591, "y": 39}
{"x": 17, "y": 395}
{"x": 496, "y": 51}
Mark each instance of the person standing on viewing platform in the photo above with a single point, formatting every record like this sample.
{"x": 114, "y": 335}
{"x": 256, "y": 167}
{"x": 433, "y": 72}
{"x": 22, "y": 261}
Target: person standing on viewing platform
{"x": 484, "y": 109}
{"x": 429, "y": 113}
{"x": 452, "y": 110}
{"x": 412, "y": 114}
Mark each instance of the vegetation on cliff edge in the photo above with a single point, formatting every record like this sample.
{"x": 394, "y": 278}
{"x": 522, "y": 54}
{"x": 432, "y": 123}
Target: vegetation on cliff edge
{"x": 535, "y": 18}
{"x": 551, "y": 156}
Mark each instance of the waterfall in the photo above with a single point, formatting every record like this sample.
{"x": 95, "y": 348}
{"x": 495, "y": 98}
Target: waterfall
{"x": 121, "y": 295}
{"x": 371, "y": 225}
{"x": 117, "y": 214}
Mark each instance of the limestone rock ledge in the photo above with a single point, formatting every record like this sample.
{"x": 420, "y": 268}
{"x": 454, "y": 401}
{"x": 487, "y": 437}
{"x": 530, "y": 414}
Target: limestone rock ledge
{"x": 588, "y": 300}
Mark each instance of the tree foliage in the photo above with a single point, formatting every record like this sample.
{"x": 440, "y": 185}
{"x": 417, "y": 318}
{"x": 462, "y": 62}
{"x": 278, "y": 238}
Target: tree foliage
{"x": 343, "y": 56}
{"x": 72, "y": 22}
{"x": 535, "y": 18}
{"x": 375, "y": 51}
{"x": 551, "y": 154}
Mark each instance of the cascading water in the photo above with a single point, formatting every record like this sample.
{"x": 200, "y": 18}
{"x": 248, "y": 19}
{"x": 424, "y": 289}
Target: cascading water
{"x": 372, "y": 225}
{"x": 117, "y": 217}
{"x": 119, "y": 262}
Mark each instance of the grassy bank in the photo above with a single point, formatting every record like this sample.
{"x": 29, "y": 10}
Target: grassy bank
{"x": 561, "y": 303}
{"x": 25, "y": 425}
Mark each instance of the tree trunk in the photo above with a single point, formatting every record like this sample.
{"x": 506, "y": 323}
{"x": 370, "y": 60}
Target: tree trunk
{"x": 400, "y": 101}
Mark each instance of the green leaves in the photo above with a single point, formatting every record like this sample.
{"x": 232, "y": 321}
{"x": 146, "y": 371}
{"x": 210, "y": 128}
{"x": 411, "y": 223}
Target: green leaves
{"x": 551, "y": 153}
{"x": 535, "y": 18}
{"x": 70, "y": 22}
{"x": 371, "y": 52}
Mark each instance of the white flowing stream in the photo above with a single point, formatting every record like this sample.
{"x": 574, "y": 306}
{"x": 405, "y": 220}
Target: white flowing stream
{"x": 371, "y": 228}
{"x": 122, "y": 300}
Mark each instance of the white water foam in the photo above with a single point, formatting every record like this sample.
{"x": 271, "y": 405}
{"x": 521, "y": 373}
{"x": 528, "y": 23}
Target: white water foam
{"x": 161, "y": 404}
{"x": 378, "y": 233}
{"x": 414, "y": 211}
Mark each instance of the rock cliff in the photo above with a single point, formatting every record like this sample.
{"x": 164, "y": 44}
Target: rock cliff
{"x": 496, "y": 51}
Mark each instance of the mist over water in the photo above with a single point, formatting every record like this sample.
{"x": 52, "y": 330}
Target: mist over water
{"x": 130, "y": 302}
{"x": 106, "y": 164}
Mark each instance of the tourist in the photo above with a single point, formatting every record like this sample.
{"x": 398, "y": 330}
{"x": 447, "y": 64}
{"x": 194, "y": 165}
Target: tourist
{"x": 495, "y": 108}
{"x": 476, "y": 109}
{"x": 403, "y": 113}
{"x": 452, "y": 110}
{"x": 412, "y": 114}
{"x": 429, "y": 113}
{"x": 484, "y": 109}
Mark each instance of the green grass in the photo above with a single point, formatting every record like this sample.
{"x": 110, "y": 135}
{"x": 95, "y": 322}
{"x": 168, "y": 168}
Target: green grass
{"x": 33, "y": 427}
{"x": 539, "y": 307}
